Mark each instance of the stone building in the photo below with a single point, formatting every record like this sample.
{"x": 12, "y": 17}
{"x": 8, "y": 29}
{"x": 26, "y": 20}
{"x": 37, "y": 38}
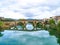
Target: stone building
{"x": 57, "y": 18}
{"x": 1, "y": 18}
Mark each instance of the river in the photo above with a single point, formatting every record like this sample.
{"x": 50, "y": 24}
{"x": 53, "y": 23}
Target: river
{"x": 15, "y": 37}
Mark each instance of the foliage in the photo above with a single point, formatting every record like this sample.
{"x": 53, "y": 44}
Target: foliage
{"x": 39, "y": 25}
{"x": 9, "y": 19}
{"x": 58, "y": 25}
{"x": 51, "y": 21}
{"x": 58, "y": 29}
{"x": 21, "y": 24}
{"x": 58, "y": 40}
{"x": 52, "y": 24}
{"x": 1, "y": 24}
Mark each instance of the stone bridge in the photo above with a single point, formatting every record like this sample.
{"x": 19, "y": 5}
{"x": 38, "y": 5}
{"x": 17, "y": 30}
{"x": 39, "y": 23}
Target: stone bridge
{"x": 23, "y": 22}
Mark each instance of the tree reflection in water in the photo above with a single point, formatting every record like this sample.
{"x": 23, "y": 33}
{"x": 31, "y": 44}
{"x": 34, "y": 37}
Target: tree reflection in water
{"x": 1, "y": 34}
{"x": 55, "y": 33}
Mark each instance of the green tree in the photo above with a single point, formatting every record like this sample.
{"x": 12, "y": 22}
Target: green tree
{"x": 39, "y": 25}
{"x": 57, "y": 34}
{"x": 1, "y": 24}
{"x": 51, "y": 21}
{"x": 58, "y": 25}
{"x": 52, "y": 24}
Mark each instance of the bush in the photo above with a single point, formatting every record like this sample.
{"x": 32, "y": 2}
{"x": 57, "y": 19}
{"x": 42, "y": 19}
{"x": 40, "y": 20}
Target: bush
{"x": 51, "y": 21}
{"x": 39, "y": 25}
{"x": 58, "y": 29}
{"x": 58, "y": 25}
{"x": 52, "y": 24}
{"x": 1, "y": 24}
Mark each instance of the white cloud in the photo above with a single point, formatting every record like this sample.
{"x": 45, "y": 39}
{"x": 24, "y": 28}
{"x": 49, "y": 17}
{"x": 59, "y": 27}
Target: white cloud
{"x": 56, "y": 11}
{"x": 45, "y": 14}
{"x": 53, "y": 2}
{"x": 38, "y": 2}
{"x": 38, "y": 8}
{"x": 11, "y": 14}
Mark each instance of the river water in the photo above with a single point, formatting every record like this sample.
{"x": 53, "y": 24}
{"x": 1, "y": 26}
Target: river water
{"x": 15, "y": 37}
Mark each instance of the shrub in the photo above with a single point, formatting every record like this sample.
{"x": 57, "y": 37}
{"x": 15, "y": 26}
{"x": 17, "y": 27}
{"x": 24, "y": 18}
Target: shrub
{"x": 39, "y": 25}
{"x": 52, "y": 24}
{"x": 1, "y": 24}
{"x": 58, "y": 25}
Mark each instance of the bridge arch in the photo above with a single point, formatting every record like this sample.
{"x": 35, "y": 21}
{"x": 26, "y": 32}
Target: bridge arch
{"x": 20, "y": 25}
{"x": 39, "y": 25}
{"x": 29, "y": 24}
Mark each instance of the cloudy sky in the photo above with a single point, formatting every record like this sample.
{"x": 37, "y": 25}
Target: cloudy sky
{"x": 29, "y": 9}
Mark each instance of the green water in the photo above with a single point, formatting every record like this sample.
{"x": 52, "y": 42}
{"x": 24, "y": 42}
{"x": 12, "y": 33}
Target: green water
{"x": 13, "y": 37}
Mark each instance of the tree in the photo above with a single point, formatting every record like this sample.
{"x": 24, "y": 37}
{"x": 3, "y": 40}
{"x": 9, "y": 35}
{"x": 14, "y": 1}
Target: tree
{"x": 58, "y": 25}
{"x": 39, "y": 25}
{"x": 52, "y": 24}
{"x": 57, "y": 34}
{"x": 51, "y": 21}
{"x": 1, "y": 24}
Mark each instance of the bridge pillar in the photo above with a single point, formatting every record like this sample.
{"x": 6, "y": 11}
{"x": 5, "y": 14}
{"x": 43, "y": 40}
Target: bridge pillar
{"x": 34, "y": 22}
{"x": 35, "y": 25}
{"x": 24, "y": 28}
{"x": 15, "y": 25}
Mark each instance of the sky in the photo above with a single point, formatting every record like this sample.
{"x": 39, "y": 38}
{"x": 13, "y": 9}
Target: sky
{"x": 29, "y": 9}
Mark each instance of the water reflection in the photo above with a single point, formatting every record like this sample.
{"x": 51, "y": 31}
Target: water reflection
{"x": 55, "y": 33}
{"x": 27, "y": 38}
{"x": 19, "y": 27}
{"x": 1, "y": 34}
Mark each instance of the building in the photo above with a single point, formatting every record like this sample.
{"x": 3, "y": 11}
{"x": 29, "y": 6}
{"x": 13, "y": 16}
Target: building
{"x": 56, "y": 18}
{"x": 2, "y": 18}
